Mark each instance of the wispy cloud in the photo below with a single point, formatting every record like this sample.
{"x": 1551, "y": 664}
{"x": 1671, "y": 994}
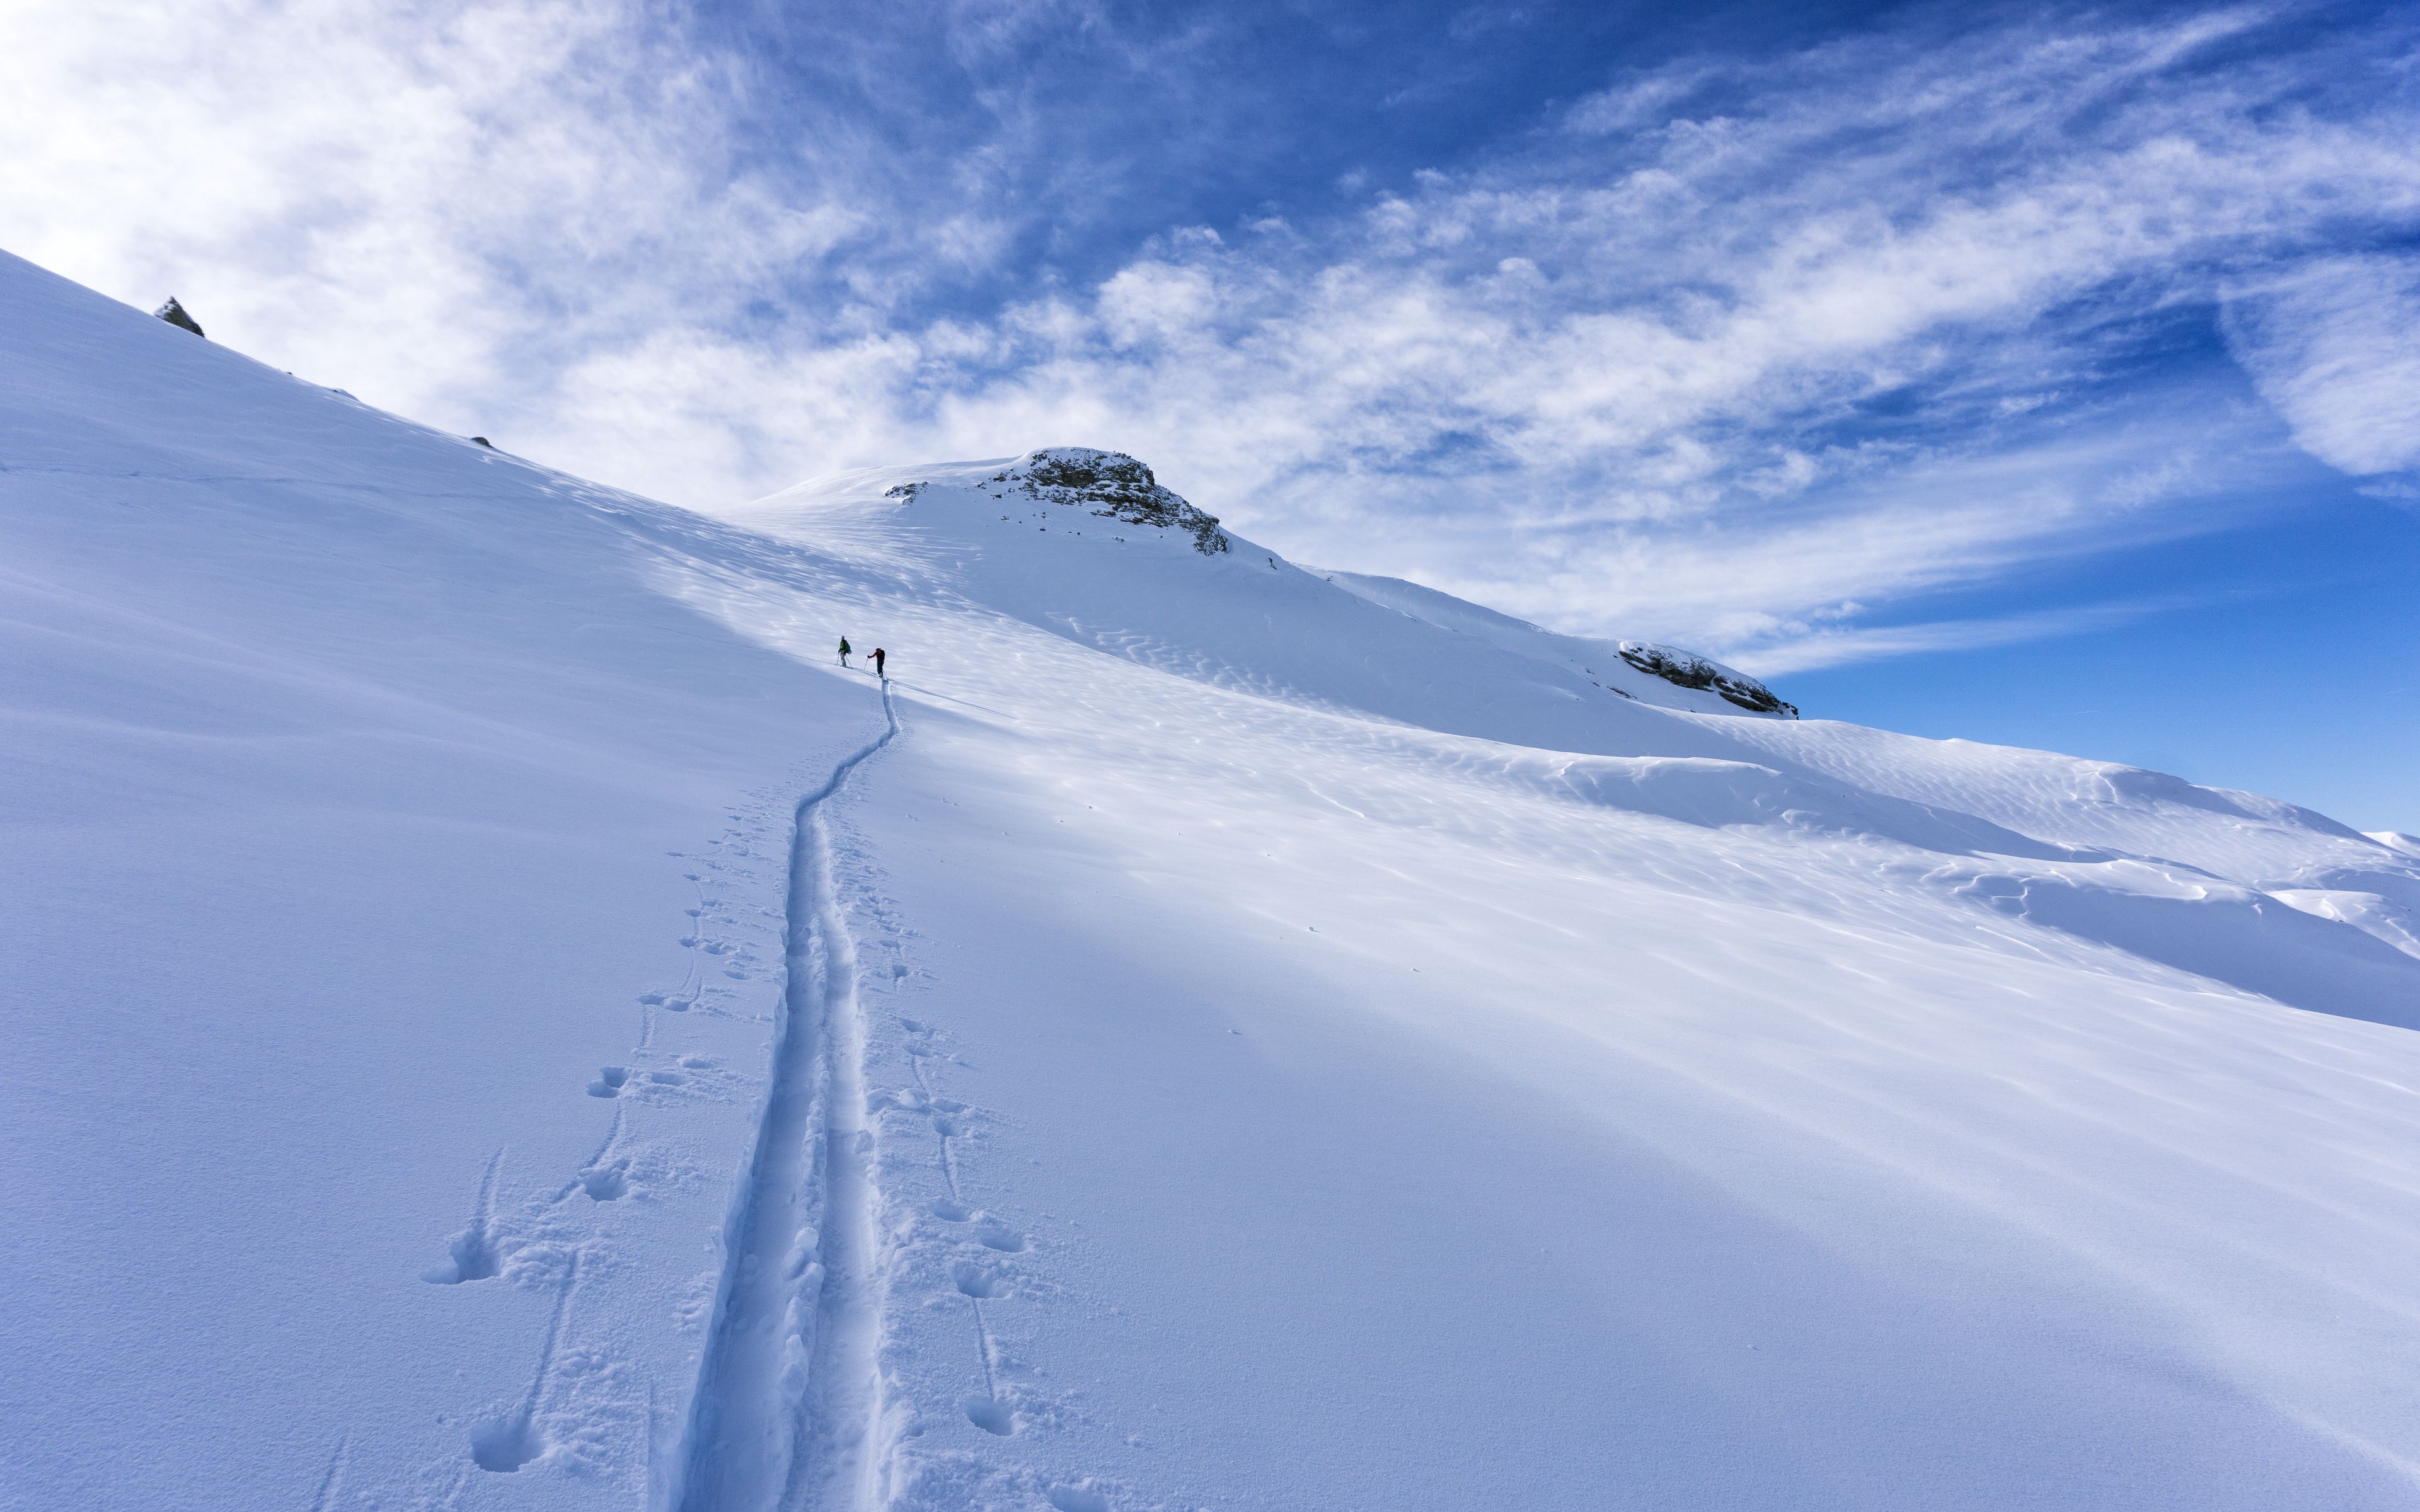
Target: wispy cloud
{"x": 1734, "y": 351}
{"x": 2335, "y": 344}
{"x": 1813, "y": 647}
{"x": 434, "y": 203}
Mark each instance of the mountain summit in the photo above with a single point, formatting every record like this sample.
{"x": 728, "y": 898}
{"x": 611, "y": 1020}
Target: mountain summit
{"x": 1112, "y": 485}
{"x": 1086, "y": 544}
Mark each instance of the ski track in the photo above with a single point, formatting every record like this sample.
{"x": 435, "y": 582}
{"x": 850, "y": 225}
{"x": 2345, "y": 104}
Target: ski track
{"x": 335, "y": 1476}
{"x": 787, "y": 1396}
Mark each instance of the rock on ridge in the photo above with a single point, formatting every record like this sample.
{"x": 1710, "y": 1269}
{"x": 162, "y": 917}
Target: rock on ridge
{"x": 174, "y": 314}
{"x": 1114, "y": 486}
{"x": 1689, "y": 670}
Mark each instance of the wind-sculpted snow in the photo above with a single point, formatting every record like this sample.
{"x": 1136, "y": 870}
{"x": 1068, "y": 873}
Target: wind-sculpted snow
{"x": 1701, "y": 791}
{"x": 1255, "y": 1037}
{"x": 2125, "y": 810}
{"x": 2243, "y": 936}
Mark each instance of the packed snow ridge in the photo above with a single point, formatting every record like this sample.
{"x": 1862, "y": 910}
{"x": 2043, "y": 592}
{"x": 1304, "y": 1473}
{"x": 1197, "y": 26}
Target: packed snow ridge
{"x": 503, "y": 1018}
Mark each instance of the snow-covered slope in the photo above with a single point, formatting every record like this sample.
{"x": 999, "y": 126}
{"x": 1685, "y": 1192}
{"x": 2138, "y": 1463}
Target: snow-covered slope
{"x": 1668, "y": 670}
{"x": 505, "y": 1020}
{"x": 1219, "y": 607}
{"x": 363, "y": 798}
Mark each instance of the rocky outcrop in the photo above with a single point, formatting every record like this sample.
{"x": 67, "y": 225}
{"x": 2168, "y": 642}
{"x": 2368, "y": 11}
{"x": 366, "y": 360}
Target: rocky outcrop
{"x": 174, "y": 314}
{"x": 1688, "y": 670}
{"x": 1114, "y": 486}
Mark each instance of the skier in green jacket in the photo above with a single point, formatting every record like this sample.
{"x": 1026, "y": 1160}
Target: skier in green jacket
{"x": 843, "y": 651}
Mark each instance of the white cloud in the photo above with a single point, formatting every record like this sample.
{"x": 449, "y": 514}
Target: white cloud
{"x": 2335, "y": 346}
{"x": 1818, "y": 646}
{"x": 435, "y": 204}
{"x": 1744, "y": 343}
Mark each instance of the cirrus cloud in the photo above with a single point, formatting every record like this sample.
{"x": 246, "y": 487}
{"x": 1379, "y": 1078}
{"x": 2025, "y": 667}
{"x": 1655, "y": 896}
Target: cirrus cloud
{"x": 1735, "y": 351}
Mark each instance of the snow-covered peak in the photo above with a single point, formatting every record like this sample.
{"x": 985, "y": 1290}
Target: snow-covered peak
{"x": 1112, "y": 485}
{"x": 1089, "y": 545}
{"x": 1051, "y": 486}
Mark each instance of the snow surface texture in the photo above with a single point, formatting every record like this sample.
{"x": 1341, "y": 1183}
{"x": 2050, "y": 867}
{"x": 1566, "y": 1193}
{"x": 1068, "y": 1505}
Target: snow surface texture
{"x": 503, "y": 1020}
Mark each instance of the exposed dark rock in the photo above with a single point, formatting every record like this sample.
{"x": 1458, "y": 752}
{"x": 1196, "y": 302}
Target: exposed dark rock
{"x": 174, "y": 314}
{"x": 904, "y": 491}
{"x": 1680, "y": 667}
{"x": 1114, "y": 486}
{"x": 482, "y": 440}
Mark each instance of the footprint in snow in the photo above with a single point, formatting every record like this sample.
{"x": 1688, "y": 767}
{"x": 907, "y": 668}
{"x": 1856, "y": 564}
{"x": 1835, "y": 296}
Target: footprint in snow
{"x": 470, "y": 1255}
{"x": 503, "y": 1445}
{"x": 702, "y": 1078}
{"x": 978, "y": 1281}
{"x": 991, "y": 1416}
{"x": 474, "y": 1254}
{"x": 997, "y": 1235}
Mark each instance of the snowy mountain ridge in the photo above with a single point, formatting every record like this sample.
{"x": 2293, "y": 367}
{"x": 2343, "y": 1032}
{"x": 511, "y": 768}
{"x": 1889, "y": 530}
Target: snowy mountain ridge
{"x": 1254, "y": 622}
{"x": 1123, "y": 487}
{"x": 1137, "y": 591}
{"x": 505, "y": 1020}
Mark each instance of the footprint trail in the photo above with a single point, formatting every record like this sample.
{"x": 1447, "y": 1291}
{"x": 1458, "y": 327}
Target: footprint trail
{"x": 504, "y": 1445}
{"x": 987, "y": 1411}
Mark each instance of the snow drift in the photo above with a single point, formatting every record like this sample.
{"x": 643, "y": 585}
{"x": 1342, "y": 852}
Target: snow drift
{"x": 504, "y": 1019}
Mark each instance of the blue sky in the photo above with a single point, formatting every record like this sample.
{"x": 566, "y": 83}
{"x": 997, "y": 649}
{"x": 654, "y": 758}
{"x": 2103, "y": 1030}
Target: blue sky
{"x": 2035, "y": 375}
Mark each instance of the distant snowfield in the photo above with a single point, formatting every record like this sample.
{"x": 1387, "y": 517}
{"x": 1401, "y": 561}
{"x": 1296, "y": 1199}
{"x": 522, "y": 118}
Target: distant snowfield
{"x": 501, "y": 1019}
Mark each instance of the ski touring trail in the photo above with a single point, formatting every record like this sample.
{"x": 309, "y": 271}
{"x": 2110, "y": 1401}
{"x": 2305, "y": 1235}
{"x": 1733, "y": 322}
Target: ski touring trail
{"x": 788, "y": 1395}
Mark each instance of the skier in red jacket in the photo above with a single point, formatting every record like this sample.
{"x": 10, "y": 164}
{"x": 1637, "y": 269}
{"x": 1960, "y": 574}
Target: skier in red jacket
{"x": 878, "y": 663}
